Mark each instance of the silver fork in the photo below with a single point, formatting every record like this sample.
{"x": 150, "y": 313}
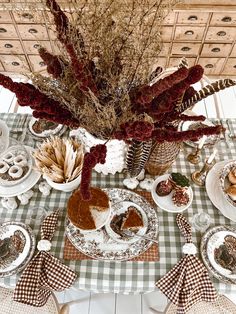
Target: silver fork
{"x": 133, "y": 234}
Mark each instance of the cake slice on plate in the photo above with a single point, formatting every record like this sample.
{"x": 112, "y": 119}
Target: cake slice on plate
{"x": 133, "y": 219}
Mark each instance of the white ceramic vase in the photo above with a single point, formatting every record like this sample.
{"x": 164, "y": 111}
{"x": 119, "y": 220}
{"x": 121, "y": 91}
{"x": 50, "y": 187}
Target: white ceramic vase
{"x": 116, "y": 151}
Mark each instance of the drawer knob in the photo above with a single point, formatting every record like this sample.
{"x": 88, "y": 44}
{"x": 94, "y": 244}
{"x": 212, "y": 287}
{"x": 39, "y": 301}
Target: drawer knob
{"x": 221, "y": 33}
{"x": 32, "y": 31}
{"x": 15, "y": 63}
{"x": 42, "y": 64}
{"x": 192, "y": 18}
{"x": 209, "y": 66}
{"x": 8, "y": 46}
{"x": 189, "y": 32}
{"x": 37, "y": 46}
{"x": 3, "y": 30}
{"x": 216, "y": 49}
{"x": 27, "y": 16}
{"x": 226, "y": 19}
{"x": 185, "y": 48}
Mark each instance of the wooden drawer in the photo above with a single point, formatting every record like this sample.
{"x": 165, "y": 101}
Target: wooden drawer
{"x": 185, "y": 49}
{"x": 174, "y": 62}
{"x": 224, "y": 18}
{"x": 216, "y": 50}
{"x": 160, "y": 62}
{"x": 193, "y": 17}
{"x": 33, "y": 31}
{"x": 5, "y": 17}
{"x": 233, "y": 52}
{"x": 166, "y": 33}
{"x": 11, "y": 47}
{"x": 52, "y": 34}
{"x": 7, "y": 31}
{"x": 169, "y": 19}
{"x": 32, "y": 46}
{"x": 13, "y": 63}
{"x": 56, "y": 49}
{"x": 165, "y": 51}
{"x": 221, "y": 33}
{"x": 212, "y": 66}
{"x": 37, "y": 63}
{"x": 28, "y": 17}
{"x": 1, "y": 68}
{"x": 186, "y": 33}
{"x": 230, "y": 67}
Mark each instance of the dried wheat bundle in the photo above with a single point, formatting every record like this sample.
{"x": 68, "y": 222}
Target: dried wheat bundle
{"x": 59, "y": 159}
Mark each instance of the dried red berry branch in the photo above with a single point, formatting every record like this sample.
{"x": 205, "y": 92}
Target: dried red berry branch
{"x": 96, "y": 155}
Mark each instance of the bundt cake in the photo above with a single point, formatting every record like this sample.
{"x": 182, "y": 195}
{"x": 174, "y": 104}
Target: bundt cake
{"x": 81, "y": 212}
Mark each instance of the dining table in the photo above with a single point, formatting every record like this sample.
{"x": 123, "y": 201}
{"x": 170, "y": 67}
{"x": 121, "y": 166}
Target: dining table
{"x": 128, "y": 277}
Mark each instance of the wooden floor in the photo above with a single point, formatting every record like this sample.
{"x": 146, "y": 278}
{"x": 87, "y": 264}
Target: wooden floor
{"x": 90, "y": 303}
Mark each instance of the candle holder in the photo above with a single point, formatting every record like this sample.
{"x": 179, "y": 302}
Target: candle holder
{"x": 194, "y": 158}
{"x": 199, "y": 177}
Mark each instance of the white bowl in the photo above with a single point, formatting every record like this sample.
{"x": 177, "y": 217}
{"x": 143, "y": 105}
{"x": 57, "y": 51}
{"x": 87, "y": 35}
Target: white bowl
{"x": 65, "y": 187}
{"x": 165, "y": 202}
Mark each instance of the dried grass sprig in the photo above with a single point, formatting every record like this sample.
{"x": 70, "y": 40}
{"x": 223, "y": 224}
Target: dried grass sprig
{"x": 59, "y": 159}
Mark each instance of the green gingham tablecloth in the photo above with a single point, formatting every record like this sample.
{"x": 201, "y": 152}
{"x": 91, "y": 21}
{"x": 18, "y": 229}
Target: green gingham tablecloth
{"x": 124, "y": 277}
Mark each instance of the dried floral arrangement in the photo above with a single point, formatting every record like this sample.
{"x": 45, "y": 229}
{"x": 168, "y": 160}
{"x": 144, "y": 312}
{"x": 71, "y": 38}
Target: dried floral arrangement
{"x": 102, "y": 79}
{"x": 59, "y": 159}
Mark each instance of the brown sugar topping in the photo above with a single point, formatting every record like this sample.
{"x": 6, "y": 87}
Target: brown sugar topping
{"x": 133, "y": 219}
{"x": 79, "y": 210}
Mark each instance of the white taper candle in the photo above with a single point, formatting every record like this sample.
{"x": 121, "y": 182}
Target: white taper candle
{"x": 212, "y": 156}
{"x": 202, "y": 141}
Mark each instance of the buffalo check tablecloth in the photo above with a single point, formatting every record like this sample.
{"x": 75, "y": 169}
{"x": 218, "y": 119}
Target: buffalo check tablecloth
{"x": 131, "y": 276}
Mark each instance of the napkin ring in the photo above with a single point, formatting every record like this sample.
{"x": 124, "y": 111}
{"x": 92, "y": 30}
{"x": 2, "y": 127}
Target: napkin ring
{"x": 44, "y": 245}
{"x": 189, "y": 249}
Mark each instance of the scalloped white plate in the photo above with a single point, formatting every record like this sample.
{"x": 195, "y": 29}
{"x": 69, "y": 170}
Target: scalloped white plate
{"x": 165, "y": 202}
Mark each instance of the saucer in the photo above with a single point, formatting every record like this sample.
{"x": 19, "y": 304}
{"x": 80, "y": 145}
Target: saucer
{"x": 165, "y": 202}
{"x": 24, "y": 186}
{"x": 215, "y": 193}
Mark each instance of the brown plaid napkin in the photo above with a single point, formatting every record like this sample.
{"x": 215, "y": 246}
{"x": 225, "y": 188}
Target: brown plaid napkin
{"x": 188, "y": 282}
{"x": 44, "y": 273}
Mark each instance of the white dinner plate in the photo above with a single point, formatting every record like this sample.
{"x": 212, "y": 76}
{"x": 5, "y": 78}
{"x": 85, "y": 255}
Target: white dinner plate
{"x": 22, "y": 187}
{"x": 215, "y": 193}
{"x": 165, "y": 202}
{"x": 4, "y": 136}
{"x": 17, "y": 247}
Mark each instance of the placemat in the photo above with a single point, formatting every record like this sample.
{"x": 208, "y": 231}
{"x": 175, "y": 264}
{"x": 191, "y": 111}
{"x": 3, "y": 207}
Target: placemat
{"x": 151, "y": 255}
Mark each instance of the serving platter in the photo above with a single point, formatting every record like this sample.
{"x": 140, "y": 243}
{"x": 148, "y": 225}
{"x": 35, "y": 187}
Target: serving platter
{"x": 17, "y": 245}
{"x": 211, "y": 241}
{"x": 101, "y": 245}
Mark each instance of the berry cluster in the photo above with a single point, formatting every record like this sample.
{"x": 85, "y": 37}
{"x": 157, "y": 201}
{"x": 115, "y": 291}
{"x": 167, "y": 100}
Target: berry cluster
{"x": 96, "y": 155}
{"x": 138, "y": 130}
